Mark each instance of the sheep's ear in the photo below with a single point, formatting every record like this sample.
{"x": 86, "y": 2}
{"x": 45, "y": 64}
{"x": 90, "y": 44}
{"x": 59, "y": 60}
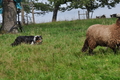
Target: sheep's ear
{"x": 118, "y": 22}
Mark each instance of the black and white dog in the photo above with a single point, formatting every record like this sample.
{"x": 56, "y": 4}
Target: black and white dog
{"x": 27, "y": 39}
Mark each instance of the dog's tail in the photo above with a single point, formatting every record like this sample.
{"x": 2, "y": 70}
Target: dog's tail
{"x": 85, "y": 46}
{"x": 14, "y": 44}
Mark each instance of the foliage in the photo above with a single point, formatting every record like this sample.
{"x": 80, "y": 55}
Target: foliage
{"x": 37, "y": 6}
{"x": 43, "y": 6}
{"x": 54, "y": 2}
{"x": 56, "y": 7}
{"x": 108, "y": 3}
{"x": 59, "y": 56}
{"x": 84, "y": 4}
{"x": 91, "y": 5}
{"x": 59, "y": 3}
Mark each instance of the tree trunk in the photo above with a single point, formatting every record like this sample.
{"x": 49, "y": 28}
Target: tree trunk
{"x": 55, "y": 11}
{"x": 9, "y": 17}
{"x": 22, "y": 15}
{"x": 88, "y": 14}
{"x": 33, "y": 15}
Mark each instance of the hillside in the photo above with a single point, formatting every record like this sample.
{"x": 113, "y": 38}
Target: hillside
{"x": 59, "y": 57}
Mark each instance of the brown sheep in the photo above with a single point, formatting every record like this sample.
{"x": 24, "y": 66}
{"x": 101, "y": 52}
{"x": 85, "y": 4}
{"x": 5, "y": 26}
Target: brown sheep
{"x": 102, "y": 35}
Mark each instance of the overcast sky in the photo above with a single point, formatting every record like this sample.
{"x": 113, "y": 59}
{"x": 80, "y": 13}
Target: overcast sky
{"x": 73, "y": 14}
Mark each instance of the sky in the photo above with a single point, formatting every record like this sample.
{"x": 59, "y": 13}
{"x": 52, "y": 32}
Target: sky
{"x": 73, "y": 14}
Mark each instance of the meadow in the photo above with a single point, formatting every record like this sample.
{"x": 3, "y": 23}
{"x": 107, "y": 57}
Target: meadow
{"x": 59, "y": 57}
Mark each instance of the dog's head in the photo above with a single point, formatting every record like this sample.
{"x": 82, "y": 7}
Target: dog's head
{"x": 38, "y": 39}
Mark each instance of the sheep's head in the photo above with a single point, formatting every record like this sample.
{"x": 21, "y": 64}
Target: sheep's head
{"x": 118, "y": 20}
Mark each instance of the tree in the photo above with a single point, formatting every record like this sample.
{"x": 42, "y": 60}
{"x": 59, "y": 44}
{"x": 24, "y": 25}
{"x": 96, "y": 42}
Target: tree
{"x": 9, "y": 17}
{"x": 91, "y": 5}
{"x": 30, "y": 6}
{"x": 42, "y": 7}
{"x": 56, "y": 6}
{"x": 9, "y": 24}
{"x": 108, "y": 3}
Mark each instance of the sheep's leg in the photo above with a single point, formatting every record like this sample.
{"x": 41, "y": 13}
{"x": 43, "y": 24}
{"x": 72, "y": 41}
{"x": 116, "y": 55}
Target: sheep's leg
{"x": 85, "y": 46}
{"x": 90, "y": 51}
{"x": 113, "y": 47}
{"x": 92, "y": 45}
{"x": 118, "y": 47}
{"x": 114, "y": 50}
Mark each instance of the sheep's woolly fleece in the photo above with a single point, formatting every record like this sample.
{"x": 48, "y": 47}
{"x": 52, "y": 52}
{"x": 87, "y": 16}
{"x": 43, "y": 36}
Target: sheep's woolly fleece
{"x": 103, "y": 35}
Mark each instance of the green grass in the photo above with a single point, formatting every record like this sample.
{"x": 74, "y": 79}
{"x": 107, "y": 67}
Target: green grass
{"x": 59, "y": 57}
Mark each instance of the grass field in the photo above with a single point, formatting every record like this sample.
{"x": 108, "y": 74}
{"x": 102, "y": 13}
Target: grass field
{"x": 59, "y": 57}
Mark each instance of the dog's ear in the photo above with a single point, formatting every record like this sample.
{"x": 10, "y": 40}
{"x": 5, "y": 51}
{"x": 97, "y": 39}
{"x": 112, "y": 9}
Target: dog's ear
{"x": 41, "y": 37}
{"x": 38, "y": 38}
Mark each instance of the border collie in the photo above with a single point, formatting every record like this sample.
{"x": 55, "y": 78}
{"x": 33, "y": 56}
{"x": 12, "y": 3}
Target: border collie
{"x": 27, "y": 39}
